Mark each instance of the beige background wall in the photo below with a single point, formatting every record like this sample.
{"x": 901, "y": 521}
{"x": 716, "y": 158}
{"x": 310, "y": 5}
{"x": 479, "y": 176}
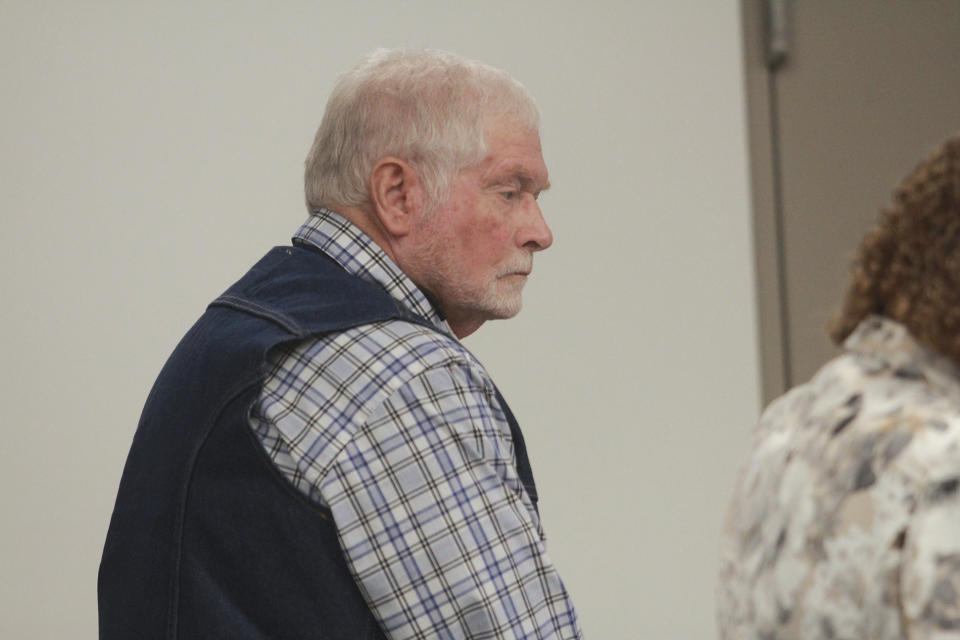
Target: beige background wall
{"x": 149, "y": 152}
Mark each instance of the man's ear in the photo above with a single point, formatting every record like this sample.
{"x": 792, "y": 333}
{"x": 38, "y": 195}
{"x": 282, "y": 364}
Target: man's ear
{"x": 397, "y": 195}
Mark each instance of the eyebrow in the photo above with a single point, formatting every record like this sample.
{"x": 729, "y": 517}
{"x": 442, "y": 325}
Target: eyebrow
{"x": 524, "y": 177}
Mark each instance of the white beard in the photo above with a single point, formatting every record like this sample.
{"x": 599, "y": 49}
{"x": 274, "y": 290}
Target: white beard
{"x": 442, "y": 273}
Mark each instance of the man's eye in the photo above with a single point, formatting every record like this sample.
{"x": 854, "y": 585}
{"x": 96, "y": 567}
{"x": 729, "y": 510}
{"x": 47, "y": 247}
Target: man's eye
{"x": 509, "y": 195}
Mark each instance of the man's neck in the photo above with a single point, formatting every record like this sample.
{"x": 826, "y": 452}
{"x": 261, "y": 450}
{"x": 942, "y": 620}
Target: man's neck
{"x": 368, "y": 223}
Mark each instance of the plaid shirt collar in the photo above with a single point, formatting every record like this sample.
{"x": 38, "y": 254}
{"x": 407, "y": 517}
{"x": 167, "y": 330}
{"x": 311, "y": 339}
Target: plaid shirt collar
{"x": 359, "y": 255}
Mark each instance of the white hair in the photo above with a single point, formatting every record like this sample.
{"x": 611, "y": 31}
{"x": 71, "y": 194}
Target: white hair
{"x": 429, "y": 108}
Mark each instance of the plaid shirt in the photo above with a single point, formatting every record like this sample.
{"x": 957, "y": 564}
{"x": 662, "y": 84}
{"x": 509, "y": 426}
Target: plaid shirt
{"x": 396, "y": 429}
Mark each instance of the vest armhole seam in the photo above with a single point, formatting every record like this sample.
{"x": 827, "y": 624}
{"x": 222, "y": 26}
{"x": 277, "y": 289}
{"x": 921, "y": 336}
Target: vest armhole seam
{"x": 295, "y": 493}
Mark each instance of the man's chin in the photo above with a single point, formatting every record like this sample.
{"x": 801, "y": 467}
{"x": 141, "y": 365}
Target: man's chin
{"x": 506, "y": 310}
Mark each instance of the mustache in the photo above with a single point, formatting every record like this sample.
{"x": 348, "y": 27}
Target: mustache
{"x": 520, "y": 265}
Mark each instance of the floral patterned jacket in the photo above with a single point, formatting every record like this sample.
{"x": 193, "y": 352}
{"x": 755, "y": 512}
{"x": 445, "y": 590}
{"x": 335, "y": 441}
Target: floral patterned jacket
{"x": 845, "y": 522}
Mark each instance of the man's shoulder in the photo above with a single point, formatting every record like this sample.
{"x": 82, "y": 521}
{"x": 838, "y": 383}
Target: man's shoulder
{"x": 308, "y": 293}
{"x": 370, "y": 362}
{"x": 326, "y": 388}
{"x": 414, "y": 345}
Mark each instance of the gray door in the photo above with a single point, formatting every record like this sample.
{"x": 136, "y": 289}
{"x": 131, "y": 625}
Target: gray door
{"x": 860, "y": 92}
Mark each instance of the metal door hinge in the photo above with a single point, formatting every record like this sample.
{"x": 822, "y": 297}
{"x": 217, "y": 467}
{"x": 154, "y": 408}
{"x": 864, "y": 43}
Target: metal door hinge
{"x": 778, "y": 44}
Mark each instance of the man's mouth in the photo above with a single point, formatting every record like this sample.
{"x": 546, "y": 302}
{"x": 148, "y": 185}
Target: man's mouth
{"x": 517, "y": 270}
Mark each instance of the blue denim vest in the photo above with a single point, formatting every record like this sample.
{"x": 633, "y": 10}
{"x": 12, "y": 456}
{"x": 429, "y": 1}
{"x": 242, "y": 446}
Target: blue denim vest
{"x": 207, "y": 539}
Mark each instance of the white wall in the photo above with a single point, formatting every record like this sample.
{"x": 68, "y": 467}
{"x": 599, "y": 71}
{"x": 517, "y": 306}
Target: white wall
{"x": 149, "y": 152}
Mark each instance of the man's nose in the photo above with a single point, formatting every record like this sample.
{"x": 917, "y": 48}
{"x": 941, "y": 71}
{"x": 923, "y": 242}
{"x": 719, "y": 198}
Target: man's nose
{"x": 535, "y": 235}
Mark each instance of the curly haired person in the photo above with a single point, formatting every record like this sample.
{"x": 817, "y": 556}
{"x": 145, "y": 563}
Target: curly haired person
{"x": 845, "y": 522}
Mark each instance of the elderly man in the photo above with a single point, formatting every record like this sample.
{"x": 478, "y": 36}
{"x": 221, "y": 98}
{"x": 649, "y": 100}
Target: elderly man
{"x": 321, "y": 457}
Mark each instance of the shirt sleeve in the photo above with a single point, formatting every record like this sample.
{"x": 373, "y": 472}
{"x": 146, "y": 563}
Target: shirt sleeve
{"x": 434, "y": 522}
{"x": 930, "y": 576}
